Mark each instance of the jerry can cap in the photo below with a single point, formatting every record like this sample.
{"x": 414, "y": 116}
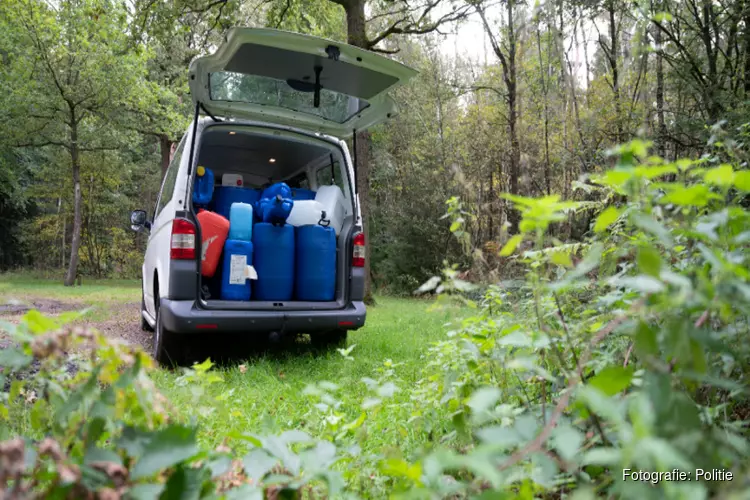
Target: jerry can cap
{"x": 201, "y": 171}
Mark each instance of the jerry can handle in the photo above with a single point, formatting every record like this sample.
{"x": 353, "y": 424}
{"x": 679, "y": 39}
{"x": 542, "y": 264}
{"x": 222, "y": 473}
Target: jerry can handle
{"x": 323, "y": 221}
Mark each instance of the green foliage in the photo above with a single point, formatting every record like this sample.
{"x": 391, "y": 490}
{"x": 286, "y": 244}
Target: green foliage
{"x": 553, "y": 387}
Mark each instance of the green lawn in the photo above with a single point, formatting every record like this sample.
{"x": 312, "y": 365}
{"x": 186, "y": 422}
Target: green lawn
{"x": 266, "y": 390}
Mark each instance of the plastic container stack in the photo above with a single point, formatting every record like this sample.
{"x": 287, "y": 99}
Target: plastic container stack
{"x": 278, "y": 245}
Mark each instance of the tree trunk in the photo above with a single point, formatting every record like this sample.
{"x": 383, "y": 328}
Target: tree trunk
{"x": 75, "y": 243}
{"x": 515, "y": 149}
{"x": 746, "y": 37}
{"x": 165, "y": 146}
{"x": 357, "y": 36}
{"x": 542, "y": 70}
{"x": 613, "y": 56}
{"x": 661, "y": 125}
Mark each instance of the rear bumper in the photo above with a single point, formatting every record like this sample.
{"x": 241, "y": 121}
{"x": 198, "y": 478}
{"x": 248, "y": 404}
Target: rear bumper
{"x": 183, "y": 316}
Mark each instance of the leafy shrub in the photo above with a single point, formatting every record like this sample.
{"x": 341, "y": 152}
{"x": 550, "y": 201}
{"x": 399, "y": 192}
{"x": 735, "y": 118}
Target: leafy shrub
{"x": 632, "y": 358}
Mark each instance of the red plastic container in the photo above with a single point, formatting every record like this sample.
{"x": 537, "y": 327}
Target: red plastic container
{"x": 214, "y": 231}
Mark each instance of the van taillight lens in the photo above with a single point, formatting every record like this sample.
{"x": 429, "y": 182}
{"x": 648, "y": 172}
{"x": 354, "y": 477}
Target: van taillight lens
{"x": 358, "y": 256}
{"x": 183, "y": 239}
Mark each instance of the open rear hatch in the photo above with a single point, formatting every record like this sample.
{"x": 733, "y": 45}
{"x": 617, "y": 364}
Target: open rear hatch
{"x": 300, "y": 81}
{"x": 296, "y": 80}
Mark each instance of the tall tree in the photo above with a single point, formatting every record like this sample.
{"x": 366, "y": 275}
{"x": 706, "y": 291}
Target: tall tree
{"x": 72, "y": 68}
{"x": 391, "y": 18}
{"x": 507, "y": 57}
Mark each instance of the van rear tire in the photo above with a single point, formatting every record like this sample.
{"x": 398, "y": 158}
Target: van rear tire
{"x": 165, "y": 350}
{"x": 329, "y": 340}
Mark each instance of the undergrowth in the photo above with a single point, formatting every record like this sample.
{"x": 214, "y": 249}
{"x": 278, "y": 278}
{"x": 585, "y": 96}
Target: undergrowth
{"x": 614, "y": 375}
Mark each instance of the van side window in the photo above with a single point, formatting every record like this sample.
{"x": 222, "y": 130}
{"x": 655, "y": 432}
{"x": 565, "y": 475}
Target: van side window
{"x": 299, "y": 182}
{"x": 167, "y": 188}
{"x": 325, "y": 177}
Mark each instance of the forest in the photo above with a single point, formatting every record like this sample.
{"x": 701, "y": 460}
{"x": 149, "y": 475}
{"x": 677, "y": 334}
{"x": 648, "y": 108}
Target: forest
{"x": 573, "y": 198}
{"x": 98, "y": 97}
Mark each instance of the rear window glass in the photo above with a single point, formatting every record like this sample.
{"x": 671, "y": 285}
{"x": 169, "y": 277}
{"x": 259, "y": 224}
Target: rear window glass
{"x": 240, "y": 87}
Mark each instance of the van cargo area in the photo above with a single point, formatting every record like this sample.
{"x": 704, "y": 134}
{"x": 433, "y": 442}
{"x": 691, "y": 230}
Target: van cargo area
{"x": 242, "y": 161}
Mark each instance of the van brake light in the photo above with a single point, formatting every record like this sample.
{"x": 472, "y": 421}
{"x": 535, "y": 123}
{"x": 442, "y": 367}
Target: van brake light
{"x": 359, "y": 250}
{"x": 183, "y": 240}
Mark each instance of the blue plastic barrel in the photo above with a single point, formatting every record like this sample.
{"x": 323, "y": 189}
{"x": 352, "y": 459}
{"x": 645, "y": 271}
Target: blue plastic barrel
{"x": 241, "y": 222}
{"x": 273, "y": 260}
{"x": 303, "y": 194}
{"x": 226, "y": 195}
{"x": 238, "y": 255}
{"x": 203, "y": 189}
{"x": 315, "y": 263}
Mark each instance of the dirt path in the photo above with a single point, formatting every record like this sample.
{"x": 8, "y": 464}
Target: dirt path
{"x": 123, "y": 319}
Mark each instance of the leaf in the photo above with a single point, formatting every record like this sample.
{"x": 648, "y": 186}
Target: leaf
{"x": 561, "y": 259}
{"x": 697, "y": 195}
{"x": 600, "y": 404}
{"x": 483, "y": 399}
{"x": 742, "y": 180}
{"x": 664, "y": 454}
{"x": 166, "y": 448}
{"x": 651, "y": 225}
{"x": 502, "y": 437}
{"x": 612, "y": 379}
{"x": 387, "y": 390}
{"x": 184, "y": 484}
{"x": 38, "y": 323}
{"x": 642, "y": 283}
{"x": 511, "y": 245}
{"x": 723, "y": 176}
{"x": 295, "y": 436}
{"x": 645, "y": 340}
{"x": 356, "y": 423}
{"x": 567, "y": 440}
{"x": 14, "y": 359}
{"x": 649, "y": 261}
{"x": 257, "y": 464}
{"x": 95, "y": 454}
{"x": 397, "y": 467}
{"x": 245, "y": 492}
{"x": 219, "y": 465}
{"x": 145, "y": 492}
{"x": 602, "y": 456}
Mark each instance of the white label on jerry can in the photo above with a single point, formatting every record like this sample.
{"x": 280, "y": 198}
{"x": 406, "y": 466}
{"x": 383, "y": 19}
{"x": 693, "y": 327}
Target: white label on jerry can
{"x": 237, "y": 266}
{"x": 250, "y": 273}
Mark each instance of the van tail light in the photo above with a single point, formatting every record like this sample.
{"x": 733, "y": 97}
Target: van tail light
{"x": 358, "y": 256}
{"x": 183, "y": 240}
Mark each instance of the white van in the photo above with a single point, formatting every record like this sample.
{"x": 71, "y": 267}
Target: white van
{"x": 277, "y": 107}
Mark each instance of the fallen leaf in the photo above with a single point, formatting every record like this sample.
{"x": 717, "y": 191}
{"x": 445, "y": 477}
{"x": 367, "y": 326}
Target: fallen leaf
{"x": 243, "y": 368}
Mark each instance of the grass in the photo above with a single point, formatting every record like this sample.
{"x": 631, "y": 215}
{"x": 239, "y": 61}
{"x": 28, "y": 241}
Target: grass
{"x": 270, "y": 386}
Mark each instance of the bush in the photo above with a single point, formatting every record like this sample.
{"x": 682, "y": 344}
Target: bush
{"x": 635, "y": 358}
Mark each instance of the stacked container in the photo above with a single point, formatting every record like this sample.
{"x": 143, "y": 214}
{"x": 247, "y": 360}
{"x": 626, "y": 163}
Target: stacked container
{"x": 238, "y": 254}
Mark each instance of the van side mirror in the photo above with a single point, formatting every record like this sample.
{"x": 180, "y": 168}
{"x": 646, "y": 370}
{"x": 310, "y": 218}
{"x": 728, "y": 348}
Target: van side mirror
{"x": 138, "y": 220}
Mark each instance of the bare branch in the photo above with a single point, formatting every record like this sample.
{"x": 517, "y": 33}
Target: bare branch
{"x": 407, "y": 26}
